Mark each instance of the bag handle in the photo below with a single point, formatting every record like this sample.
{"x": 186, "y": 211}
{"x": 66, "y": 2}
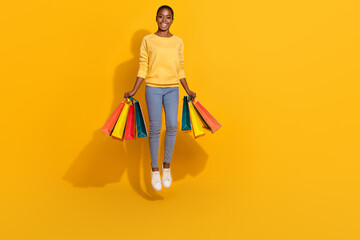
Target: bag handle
{"x": 132, "y": 99}
{"x": 190, "y": 98}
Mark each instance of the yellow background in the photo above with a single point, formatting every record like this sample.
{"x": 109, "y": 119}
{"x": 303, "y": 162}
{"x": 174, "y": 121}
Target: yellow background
{"x": 282, "y": 77}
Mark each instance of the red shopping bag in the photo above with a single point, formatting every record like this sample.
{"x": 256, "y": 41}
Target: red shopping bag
{"x": 130, "y": 124}
{"x": 110, "y": 123}
{"x": 212, "y": 124}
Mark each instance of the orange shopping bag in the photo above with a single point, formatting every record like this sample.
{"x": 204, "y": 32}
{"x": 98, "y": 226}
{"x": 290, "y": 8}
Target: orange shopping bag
{"x": 209, "y": 121}
{"x": 110, "y": 123}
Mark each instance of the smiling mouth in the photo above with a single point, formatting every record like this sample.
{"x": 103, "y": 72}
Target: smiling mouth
{"x": 163, "y": 25}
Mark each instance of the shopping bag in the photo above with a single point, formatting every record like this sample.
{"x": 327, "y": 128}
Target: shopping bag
{"x": 139, "y": 120}
{"x": 203, "y": 123}
{"x": 185, "y": 118}
{"x": 119, "y": 128}
{"x": 110, "y": 123}
{"x": 211, "y": 123}
{"x": 130, "y": 124}
{"x": 196, "y": 123}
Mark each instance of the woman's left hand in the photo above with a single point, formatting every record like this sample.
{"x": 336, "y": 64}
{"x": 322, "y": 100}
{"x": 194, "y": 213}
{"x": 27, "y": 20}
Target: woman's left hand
{"x": 192, "y": 94}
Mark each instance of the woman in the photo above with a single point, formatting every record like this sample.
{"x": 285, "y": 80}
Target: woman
{"x": 161, "y": 64}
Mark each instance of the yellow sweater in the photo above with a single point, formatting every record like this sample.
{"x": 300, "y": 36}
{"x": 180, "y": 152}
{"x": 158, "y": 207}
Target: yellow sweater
{"x": 161, "y": 61}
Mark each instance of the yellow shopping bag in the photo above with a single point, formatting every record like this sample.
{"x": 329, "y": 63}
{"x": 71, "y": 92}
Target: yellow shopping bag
{"x": 119, "y": 128}
{"x": 196, "y": 122}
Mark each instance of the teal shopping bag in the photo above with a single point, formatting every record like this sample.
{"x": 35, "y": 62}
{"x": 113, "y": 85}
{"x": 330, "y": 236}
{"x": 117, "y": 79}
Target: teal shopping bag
{"x": 139, "y": 118}
{"x": 185, "y": 118}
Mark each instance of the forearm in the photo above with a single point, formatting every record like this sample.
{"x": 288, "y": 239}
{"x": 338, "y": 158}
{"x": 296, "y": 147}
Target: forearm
{"x": 184, "y": 84}
{"x": 137, "y": 84}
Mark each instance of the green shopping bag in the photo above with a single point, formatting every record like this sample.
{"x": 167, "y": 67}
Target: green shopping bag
{"x": 139, "y": 118}
{"x": 185, "y": 118}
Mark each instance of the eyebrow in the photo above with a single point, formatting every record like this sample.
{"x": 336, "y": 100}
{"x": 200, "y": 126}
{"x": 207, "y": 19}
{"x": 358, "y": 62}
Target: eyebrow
{"x": 166, "y": 15}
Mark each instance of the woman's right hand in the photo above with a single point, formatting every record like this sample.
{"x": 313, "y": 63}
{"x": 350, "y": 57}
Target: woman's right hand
{"x": 129, "y": 94}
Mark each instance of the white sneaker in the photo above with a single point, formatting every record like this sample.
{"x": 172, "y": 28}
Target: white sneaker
{"x": 155, "y": 180}
{"x": 166, "y": 179}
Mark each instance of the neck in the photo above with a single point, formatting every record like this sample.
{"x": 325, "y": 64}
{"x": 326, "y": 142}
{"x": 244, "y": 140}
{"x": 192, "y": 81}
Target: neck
{"x": 165, "y": 33}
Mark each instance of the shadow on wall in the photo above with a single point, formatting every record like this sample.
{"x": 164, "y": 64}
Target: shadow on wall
{"x": 104, "y": 159}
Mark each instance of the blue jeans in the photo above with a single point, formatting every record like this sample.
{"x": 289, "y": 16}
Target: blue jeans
{"x": 156, "y": 98}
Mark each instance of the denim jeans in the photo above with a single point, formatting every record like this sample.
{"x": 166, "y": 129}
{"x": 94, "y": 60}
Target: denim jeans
{"x": 156, "y": 98}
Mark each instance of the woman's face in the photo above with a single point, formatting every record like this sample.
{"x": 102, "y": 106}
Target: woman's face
{"x": 164, "y": 19}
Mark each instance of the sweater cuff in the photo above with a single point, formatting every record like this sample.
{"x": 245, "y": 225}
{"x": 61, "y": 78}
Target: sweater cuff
{"x": 142, "y": 74}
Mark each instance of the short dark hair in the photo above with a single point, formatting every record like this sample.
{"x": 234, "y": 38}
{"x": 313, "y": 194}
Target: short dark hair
{"x": 167, "y": 7}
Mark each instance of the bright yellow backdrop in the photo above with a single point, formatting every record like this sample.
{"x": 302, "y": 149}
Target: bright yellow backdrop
{"x": 281, "y": 76}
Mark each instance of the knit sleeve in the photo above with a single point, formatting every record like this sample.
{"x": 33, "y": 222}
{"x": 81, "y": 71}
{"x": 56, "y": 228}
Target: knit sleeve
{"x": 143, "y": 60}
{"x": 181, "y": 61}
